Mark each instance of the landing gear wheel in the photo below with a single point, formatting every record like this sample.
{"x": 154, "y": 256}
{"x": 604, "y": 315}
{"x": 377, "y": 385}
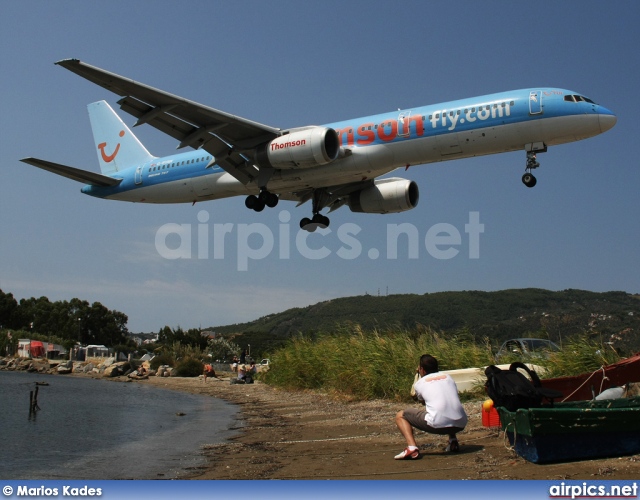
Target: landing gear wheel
{"x": 267, "y": 198}
{"x": 321, "y": 220}
{"x": 254, "y": 203}
{"x": 259, "y": 206}
{"x": 529, "y": 180}
{"x": 271, "y": 200}
{"x": 251, "y": 201}
{"x": 306, "y": 224}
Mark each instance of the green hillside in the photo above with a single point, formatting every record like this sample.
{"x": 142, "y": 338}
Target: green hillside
{"x": 613, "y": 316}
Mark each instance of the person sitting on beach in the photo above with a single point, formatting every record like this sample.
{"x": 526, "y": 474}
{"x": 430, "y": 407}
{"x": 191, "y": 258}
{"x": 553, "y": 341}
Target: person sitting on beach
{"x": 242, "y": 374}
{"x": 234, "y": 364}
{"x": 443, "y": 413}
{"x": 251, "y": 371}
{"x": 209, "y": 372}
{"x": 141, "y": 370}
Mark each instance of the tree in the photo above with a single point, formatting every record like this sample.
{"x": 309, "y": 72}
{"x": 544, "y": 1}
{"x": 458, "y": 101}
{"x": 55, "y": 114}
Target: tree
{"x": 166, "y": 336}
{"x": 74, "y": 321}
{"x": 191, "y": 337}
{"x": 106, "y": 327}
{"x": 8, "y": 309}
{"x": 222, "y": 349}
{"x": 194, "y": 338}
{"x": 8, "y": 342}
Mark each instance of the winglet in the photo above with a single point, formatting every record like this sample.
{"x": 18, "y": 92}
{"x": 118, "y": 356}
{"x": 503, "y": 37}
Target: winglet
{"x": 71, "y": 60}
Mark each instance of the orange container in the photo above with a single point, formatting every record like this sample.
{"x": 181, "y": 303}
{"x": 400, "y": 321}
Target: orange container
{"x": 490, "y": 418}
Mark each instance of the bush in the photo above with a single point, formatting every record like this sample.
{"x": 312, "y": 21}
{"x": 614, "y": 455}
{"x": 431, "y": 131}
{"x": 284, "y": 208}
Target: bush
{"x": 162, "y": 359}
{"x": 189, "y": 367}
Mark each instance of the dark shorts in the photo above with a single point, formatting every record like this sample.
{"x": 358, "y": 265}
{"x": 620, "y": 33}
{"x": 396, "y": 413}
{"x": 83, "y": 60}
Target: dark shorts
{"x": 417, "y": 419}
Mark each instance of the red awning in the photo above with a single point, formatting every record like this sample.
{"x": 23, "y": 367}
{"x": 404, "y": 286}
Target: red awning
{"x": 36, "y": 349}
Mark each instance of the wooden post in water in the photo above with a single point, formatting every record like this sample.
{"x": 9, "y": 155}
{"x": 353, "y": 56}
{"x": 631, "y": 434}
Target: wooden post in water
{"x": 33, "y": 402}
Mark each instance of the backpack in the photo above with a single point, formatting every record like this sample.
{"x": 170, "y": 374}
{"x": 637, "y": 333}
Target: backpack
{"x": 512, "y": 390}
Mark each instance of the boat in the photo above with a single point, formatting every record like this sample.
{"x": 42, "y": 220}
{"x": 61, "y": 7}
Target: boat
{"x": 589, "y": 385}
{"x": 572, "y": 431}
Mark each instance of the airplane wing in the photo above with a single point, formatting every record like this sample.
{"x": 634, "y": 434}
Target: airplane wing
{"x": 225, "y": 136}
{"x": 76, "y": 174}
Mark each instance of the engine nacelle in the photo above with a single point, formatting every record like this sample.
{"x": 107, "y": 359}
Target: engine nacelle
{"x": 301, "y": 148}
{"x": 385, "y": 196}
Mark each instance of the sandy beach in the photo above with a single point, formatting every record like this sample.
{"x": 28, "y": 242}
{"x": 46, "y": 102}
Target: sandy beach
{"x": 302, "y": 435}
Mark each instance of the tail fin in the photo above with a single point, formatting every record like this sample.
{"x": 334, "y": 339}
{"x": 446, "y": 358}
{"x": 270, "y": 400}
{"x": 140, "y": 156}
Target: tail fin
{"x": 117, "y": 147}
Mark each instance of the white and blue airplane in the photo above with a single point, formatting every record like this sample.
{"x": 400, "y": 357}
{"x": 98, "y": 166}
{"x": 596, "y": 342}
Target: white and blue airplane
{"x": 331, "y": 165}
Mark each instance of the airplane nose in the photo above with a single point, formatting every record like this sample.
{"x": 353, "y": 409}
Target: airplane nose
{"x": 607, "y": 120}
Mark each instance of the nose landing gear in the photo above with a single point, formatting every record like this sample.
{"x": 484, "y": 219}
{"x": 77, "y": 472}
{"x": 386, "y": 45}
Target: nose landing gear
{"x": 528, "y": 179}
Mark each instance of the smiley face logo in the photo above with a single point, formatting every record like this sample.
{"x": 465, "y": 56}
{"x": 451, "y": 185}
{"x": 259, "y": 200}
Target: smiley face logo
{"x": 109, "y": 158}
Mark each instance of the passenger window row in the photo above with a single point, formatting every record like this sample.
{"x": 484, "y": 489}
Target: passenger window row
{"x": 179, "y": 163}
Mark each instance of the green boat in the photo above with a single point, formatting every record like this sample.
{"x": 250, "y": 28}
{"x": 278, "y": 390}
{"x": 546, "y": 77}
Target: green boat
{"x": 577, "y": 430}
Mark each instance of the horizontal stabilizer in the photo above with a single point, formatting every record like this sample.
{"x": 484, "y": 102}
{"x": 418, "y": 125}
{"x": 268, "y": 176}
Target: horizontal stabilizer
{"x": 73, "y": 173}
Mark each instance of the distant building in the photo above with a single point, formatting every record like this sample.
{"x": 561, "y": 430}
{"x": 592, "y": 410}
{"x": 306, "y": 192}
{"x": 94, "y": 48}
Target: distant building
{"x": 81, "y": 353}
{"x": 28, "y": 348}
{"x": 98, "y": 351}
{"x": 142, "y": 338}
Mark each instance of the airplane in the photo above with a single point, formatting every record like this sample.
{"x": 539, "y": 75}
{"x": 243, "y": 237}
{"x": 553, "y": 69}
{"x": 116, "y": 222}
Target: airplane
{"x": 332, "y": 165}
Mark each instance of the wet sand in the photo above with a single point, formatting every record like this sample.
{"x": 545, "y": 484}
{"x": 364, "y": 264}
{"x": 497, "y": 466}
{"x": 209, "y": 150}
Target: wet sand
{"x": 303, "y": 435}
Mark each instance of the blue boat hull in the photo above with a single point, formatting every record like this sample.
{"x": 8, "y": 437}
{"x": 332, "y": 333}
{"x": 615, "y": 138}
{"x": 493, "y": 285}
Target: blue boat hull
{"x": 574, "y": 431}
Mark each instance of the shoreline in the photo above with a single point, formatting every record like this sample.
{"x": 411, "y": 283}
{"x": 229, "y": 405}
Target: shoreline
{"x": 285, "y": 434}
{"x": 305, "y": 435}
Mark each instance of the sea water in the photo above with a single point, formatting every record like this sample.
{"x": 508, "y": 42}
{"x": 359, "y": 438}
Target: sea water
{"x": 99, "y": 429}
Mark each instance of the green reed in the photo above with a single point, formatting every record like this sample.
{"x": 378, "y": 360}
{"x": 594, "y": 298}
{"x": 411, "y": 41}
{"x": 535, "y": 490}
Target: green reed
{"x": 366, "y": 365}
{"x": 579, "y": 354}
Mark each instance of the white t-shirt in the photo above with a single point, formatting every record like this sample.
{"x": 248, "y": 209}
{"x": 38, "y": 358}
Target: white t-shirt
{"x": 440, "y": 395}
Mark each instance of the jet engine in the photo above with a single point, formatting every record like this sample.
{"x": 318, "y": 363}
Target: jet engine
{"x": 385, "y": 196}
{"x": 300, "y": 148}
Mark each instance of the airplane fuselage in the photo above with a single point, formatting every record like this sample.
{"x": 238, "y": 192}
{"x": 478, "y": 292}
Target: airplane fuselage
{"x": 528, "y": 119}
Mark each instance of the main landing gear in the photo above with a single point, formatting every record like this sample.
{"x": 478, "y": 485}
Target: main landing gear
{"x": 314, "y": 223}
{"x": 319, "y": 201}
{"x": 528, "y": 178}
{"x": 265, "y": 198}
{"x": 269, "y": 199}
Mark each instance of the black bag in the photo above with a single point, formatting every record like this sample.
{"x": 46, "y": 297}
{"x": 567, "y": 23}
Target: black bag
{"x": 511, "y": 389}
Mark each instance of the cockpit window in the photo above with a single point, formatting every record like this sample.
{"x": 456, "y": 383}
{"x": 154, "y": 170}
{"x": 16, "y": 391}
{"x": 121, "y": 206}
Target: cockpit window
{"x": 577, "y": 98}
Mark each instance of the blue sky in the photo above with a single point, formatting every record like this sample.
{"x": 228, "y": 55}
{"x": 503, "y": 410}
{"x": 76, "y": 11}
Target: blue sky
{"x": 289, "y": 64}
